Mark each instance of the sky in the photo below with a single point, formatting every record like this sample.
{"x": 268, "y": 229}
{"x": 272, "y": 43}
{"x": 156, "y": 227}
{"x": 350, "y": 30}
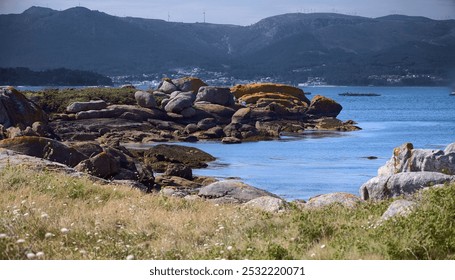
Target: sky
{"x": 241, "y": 12}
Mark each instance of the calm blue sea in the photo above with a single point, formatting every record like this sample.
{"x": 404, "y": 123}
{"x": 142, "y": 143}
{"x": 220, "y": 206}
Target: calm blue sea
{"x": 317, "y": 163}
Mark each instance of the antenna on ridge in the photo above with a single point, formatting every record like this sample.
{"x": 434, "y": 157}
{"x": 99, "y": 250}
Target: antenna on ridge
{"x": 204, "y": 16}
{"x": 168, "y": 16}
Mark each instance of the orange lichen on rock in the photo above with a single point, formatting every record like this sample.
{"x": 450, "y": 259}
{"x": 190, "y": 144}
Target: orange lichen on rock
{"x": 290, "y": 91}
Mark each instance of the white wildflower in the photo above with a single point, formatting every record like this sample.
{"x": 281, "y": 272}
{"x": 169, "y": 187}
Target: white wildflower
{"x": 40, "y": 255}
{"x": 19, "y": 241}
{"x": 31, "y": 256}
{"x": 130, "y": 257}
{"x": 322, "y": 246}
{"x": 229, "y": 248}
{"x": 48, "y": 235}
{"x": 3, "y": 235}
{"x": 64, "y": 230}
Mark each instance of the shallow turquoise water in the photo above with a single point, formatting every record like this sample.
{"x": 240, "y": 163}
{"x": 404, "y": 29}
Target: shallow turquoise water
{"x": 317, "y": 163}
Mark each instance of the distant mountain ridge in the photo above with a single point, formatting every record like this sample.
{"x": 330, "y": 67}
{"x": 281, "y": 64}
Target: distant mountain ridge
{"x": 341, "y": 48}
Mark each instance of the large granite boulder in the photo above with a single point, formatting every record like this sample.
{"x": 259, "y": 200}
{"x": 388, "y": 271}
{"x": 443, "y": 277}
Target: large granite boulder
{"x": 384, "y": 187}
{"x": 407, "y": 159}
{"x": 290, "y": 91}
{"x": 188, "y": 84}
{"x": 16, "y": 109}
{"x": 232, "y": 191}
{"x": 215, "y": 95}
{"x": 44, "y": 148}
{"x": 77, "y": 107}
{"x": 145, "y": 99}
{"x": 167, "y": 86}
{"x": 322, "y": 106}
{"x": 180, "y": 101}
{"x": 268, "y": 204}
{"x": 10, "y": 158}
{"x": 252, "y": 115}
{"x": 221, "y": 113}
{"x": 344, "y": 199}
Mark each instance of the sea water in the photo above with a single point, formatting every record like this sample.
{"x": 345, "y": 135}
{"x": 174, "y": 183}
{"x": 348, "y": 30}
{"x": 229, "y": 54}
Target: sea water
{"x": 313, "y": 163}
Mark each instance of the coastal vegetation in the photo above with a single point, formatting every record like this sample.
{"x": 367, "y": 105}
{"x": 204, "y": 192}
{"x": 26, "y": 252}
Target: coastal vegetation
{"x": 49, "y": 216}
{"x": 56, "y": 100}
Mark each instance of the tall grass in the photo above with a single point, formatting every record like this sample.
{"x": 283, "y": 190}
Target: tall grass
{"x": 72, "y": 218}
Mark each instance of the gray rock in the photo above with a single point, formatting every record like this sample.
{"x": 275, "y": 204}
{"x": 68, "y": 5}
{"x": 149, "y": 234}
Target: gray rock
{"x": 216, "y": 95}
{"x": 232, "y": 191}
{"x": 190, "y": 128}
{"x": 179, "y": 102}
{"x": 407, "y": 159}
{"x": 399, "y": 207}
{"x": 179, "y": 170}
{"x": 102, "y": 165}
{"x": 188, "y": 84}
{"x": 115, "y": 111}
{"x": 250, "y": 116}
{"x": 206, "y": 124}
{"x": 383, "y": 187}
{"x": 44, "y": 148}
{"x": 188, "y": 112}
{"x": 9, "y": 158}
{"x": 221, "y": 113}
{"x": 16, "y": 109}
{"x": 268, "y": 204}
{"x": 167, "y": 87}
{"x": 345, "y": 199}
{"x": 145, "y": 99}
{"x": 77, "y": 107}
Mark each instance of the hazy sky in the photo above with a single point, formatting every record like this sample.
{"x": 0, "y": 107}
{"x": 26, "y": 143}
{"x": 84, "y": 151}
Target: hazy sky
{"x": 243, "y": 12}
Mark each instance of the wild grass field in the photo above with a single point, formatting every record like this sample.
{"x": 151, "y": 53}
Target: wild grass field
{"x": 47, "y": 215}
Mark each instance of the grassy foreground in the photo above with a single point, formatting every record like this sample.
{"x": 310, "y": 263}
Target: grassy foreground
{"x": 50, "y": 216}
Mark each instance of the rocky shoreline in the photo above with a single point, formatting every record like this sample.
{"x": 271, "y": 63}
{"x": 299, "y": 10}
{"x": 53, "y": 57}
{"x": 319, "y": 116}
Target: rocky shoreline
{"x": 87, "y": 140}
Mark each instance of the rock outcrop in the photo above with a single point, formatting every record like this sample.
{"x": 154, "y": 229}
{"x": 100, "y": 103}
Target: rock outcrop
{"x": 268, "y": 204}
{"x": 17, "y": 110}
{"x": 77, "y": 107}
{"x": 250, "y": 89}
{"x": 344, "y": 199}
{"x": 407, "y": 183}
{"x": 231, "y": 191}
{"x": 44, "y": 148}
{"x": 161, "y": 156}
{"x": 407, "y": 159}
{"x": 410, "y": 170}
{"x": 322, "y": 106}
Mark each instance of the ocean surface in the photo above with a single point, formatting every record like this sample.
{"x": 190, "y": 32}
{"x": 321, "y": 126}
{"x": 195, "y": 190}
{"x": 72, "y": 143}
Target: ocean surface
{"x": 323, "y": 162}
